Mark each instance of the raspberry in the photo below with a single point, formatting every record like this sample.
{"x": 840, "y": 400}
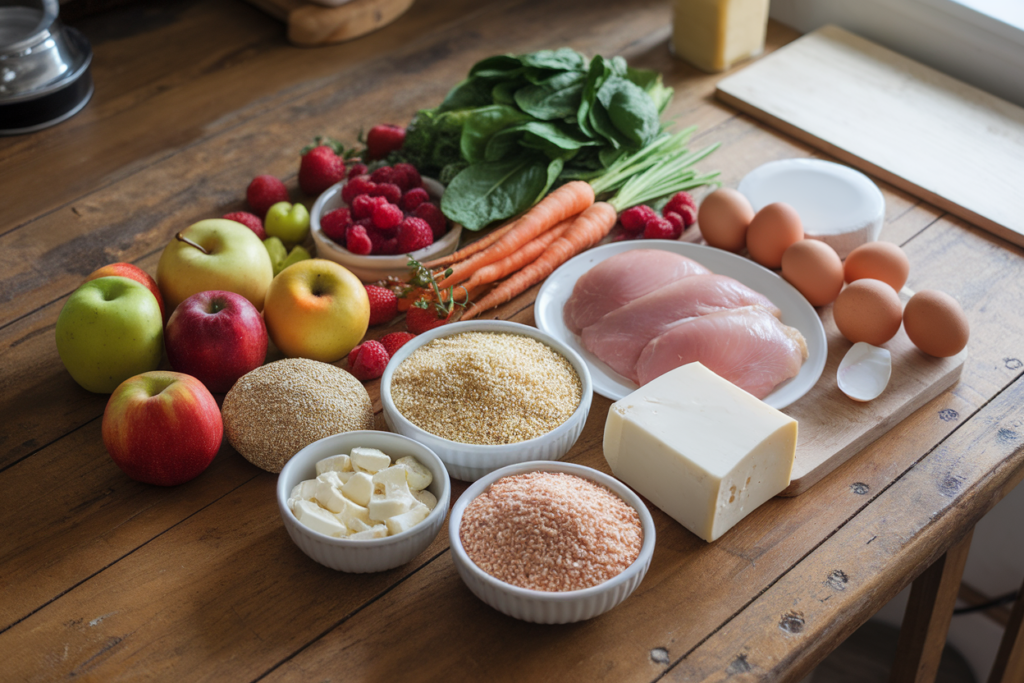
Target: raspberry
{"x": 250, "y": 221}
{"x": 377, "y": 240}
{"x": 320, "y": 168}
{"x": 678, "y": 201}
{"x": 689, "y": 214}
{"x": 389, "y": 247}
{"x": 389, "y": 191}
{"x": 419, "y": 320}
{"x": 263, "y": 192}
{"x": 367, "y": 223}
{"x": 411, "y": 176}
{"x": 357, "y": 241}
{"x": 395, "y": 340}
{"x": 382, "y": 140}
{"x": 335, "y": 224}
{"x": 368, "y": 360}
{"x": 361, "y": 184}
{"x": 434, "y": 218}
{"x": 356, "y": 169}
{"x": 413, "y": 198}
{"x": 658, "y": 229}
{"x": 384, "y": 174}
{"x": 383, "y": 305}
{"x": 387, "y": 216}
{"x": 414, "y": 234}
{"x": 677, "y": 224}
{"x": 363, "y": 206}
{"x": 635, "y": 219}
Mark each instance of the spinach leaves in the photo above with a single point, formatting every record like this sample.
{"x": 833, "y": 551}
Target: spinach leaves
{"x": 520, "y": 124}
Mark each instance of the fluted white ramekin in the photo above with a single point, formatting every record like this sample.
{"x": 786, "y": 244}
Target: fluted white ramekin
{"x": 469, "y": 462}
{"x": 370, "y": 555}
{"x": 544, "y": 607}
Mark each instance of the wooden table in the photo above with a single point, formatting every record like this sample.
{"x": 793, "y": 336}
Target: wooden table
{"x": 104, "y": 578}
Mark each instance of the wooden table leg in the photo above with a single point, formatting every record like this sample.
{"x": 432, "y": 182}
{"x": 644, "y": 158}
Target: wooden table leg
{"x": 1009, "y": 666}
{"x": 926, "y": 621}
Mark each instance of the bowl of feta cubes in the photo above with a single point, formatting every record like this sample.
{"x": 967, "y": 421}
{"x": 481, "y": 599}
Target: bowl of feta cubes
{"x": 363, "y": 501}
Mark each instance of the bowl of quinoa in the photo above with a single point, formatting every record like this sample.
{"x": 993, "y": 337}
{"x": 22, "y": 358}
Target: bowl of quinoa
{"x": 486, "y": 394}
{"x": 551, "y": 542}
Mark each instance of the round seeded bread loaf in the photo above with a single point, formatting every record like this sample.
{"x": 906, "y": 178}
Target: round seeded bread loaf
{"x": 280, "y": 408}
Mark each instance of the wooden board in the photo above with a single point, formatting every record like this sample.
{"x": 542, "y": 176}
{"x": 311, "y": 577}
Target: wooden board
{"x": 946, "y": 142}
{"x": 311, "y": 24}
{"x": 833, "y": 427}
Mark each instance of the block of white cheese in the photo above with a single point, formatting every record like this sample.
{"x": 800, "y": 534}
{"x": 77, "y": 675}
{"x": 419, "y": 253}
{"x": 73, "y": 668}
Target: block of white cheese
{"x": 700, "y": 448}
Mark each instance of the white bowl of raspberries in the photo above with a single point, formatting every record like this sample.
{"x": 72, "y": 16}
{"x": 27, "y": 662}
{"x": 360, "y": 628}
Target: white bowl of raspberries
{"x": 370, "y": 223}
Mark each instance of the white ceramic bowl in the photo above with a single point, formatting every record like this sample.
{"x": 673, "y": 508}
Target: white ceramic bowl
{"x": 373, "y": 268}
{"x": 469, "y": 462}
{"x": 544, "y": 607}
{"x": 372, "y": 555}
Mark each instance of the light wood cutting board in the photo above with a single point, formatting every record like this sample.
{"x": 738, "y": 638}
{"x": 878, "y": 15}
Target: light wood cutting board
{"x": 833, "y": 428}
{"x": 310, "y": 24}
{"x": 931, "y": 135}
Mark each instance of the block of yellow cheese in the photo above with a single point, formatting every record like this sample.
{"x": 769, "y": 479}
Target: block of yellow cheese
{"x": 700, "y": 448}
{"x": 715, "y": 34}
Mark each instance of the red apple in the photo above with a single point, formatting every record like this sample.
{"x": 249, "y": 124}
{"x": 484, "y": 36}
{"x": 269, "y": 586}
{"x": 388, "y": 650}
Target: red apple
{"x": 162, "y": 427}
{"x": 216, "y": 337}
{"x": 132, "y": 273}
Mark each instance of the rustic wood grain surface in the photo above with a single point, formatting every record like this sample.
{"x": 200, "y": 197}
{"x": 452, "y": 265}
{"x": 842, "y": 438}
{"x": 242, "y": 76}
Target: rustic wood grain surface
{"x": 103, "y": 578}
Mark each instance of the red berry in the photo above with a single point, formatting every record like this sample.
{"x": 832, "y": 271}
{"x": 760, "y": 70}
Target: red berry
{"x": 389, "y": 191}
{"x": 320, "y": 168}
{"x": 334, "y": 224}
{"x": 389, "y": 247}
{"x": 250, "y": 221}
{"x": 635, "y": 218}
{"x": 263, "y": 192}
{"x": 357, "y": 241}
{"x": 678, "y": 201}
{"x": 689, "y": 214}
{"x": 395, "y": 340}
{"x": 677, "y": 224}
{"x": 363, "y": 206}
{"x": 413, "y": 198}
{"x": 368, "y": 360}
{"x": 383, "y": 305}
{"x": 383, "y": 139}
{"x": 434, "y": 218}
{"x": 384, "y": 174}
{"x": 411, "y": 176}
{"x": 414, "y": 234}
{"x": 419, "y": 320}
{"x": 356, "y": 186}
{"x": 387, "y": 216}
{"x": 356, "y": 169}
{"x": 658, "y": 229}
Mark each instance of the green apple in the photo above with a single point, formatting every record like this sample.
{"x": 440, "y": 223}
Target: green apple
{"x": 110, "y": 329}
{"x": 278, "y": 253}
{"x": 214, "y": 254}
{"x": 290, "y": 222}
{"x": 299, "y": 253}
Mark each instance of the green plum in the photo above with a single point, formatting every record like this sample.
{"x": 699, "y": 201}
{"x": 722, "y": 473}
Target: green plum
{"x": 299, "y": 253}
{"x": 277, "y": 251}
{"x": 289, "y": 222}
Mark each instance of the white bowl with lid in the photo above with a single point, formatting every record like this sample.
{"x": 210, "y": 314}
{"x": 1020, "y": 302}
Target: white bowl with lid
{"x": 469, "y": 462}
{"x": 837, "y": 204}
{"x": 547, "y": 607}
{"x": 370, "y": 555}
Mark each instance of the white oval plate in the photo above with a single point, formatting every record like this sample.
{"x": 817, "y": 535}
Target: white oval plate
{"x": 796, "y": 312}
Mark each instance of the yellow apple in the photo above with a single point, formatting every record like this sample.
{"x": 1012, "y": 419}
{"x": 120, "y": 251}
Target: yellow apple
{"x": 316, "y": 309}
{"x": 214, "y": 254}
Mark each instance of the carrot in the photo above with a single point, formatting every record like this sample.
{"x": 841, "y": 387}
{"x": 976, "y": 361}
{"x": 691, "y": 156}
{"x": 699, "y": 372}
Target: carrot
{"x": 471, "y": 248}
{"x": 517, "y": 259}
{"x": 568, "y": 200}
{"x": 586, "y": 230}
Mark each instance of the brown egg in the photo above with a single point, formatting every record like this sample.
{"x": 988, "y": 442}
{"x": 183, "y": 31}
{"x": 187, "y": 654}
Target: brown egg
{"x": 723, "y": 218}
{"x": 774, "y": 229}
{"x": 935, "y": 323}
{"x": 815, "y": 269}
{"x": 868, "y": 311}
{"x": 879, "y": 261}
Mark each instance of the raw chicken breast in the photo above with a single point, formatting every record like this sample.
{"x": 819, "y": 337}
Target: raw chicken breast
{"x": 619, "y": 337}
{"x": 622, "y": 278}
{"x": 747, "y": 346}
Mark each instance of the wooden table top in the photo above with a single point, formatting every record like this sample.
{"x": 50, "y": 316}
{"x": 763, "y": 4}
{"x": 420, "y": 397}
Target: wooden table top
{"x": 105, "y": 578}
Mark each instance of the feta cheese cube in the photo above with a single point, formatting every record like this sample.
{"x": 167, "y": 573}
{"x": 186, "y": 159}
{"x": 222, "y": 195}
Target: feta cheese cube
{"x": 405, "y": 521}
{"x": 335, "y": 463}
{"x": 376, "y": 531}
{"x": 304, "y": 490}
{"x": 369, "y": 460}
{"x": 385, "y": 506}
{"x": 425, "y": 497}
{"x": 391, "y": 481}
{"x": 359, "y": 488}
{"x": 318, "y": 519}
{"x": 328, "y": 491}
{"x": 418, "y": 475}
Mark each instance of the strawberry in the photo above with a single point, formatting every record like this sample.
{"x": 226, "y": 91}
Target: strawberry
{"x": 383, "y": 304}
{"x": 394, "y": 341}
{"x": 414, "y": 234}
{"x": 334, "y": 224}
{"x": 263, "y": 192}
{"x": 413, "y": 198}
{"x": 368, "y": 360}
{"x": 433, "y": 309}
{"x": 635, "y": 218}
{"x": 250, "y": 221}
{"x": 382, "y": 140}
{"x": 423, "y": 318}
{"x": 319, "y": 169}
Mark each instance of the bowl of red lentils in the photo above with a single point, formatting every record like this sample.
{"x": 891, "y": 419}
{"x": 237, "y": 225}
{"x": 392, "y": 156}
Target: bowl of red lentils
{"x": 486, "y": 394}
{"x": 551, "y": 542}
